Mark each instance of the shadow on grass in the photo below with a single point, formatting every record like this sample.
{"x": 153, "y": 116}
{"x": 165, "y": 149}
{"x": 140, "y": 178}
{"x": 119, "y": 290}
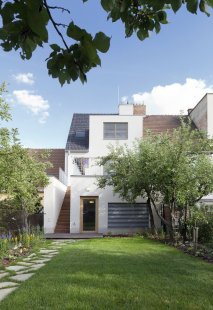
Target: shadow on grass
{"x": 129, "y": 273}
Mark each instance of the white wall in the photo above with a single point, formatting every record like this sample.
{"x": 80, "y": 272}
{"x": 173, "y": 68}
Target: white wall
{"x": 86, "y": 186}
{"x": 210, "y": 115}
{"x": 199, "y": 114}
{"x": 126, "y": 109}
{"x": 53, "y": 198}
{"x": 98, "y": 146}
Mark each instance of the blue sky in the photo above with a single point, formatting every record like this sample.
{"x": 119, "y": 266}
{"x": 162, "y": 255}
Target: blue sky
{"x": 168, "y": 72}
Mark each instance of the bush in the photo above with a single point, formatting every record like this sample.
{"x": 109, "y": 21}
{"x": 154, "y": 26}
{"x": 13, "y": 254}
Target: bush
{"x": 202, "y": 218}
{"x": 12, "y": 247}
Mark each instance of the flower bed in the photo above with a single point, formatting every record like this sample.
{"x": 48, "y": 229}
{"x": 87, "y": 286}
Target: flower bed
{"x": 14, "y": 247}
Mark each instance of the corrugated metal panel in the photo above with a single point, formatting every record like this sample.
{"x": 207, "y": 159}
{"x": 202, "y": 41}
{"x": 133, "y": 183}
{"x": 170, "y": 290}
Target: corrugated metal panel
{"x": 124, "y": 215}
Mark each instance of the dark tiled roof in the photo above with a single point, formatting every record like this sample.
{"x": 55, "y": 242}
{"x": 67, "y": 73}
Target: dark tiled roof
{"x": 161, "y": 123}
{"x": 80, "y": 122}
{"x": 57, "y": 158}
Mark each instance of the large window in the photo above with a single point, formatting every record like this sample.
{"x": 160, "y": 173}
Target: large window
{"x": 115, "y": 131}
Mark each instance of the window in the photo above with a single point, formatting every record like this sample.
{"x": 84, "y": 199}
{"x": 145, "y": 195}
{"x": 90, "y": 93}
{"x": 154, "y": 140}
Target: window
{"x": 115, "y": 131}
{"x": 80, "y": 134}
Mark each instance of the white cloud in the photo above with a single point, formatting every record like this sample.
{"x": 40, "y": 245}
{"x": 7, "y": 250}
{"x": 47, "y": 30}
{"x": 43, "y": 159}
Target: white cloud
{"x": 124, "y": 99}
{"x": 26, "y": 78}
{"x": 173, "y": 98}
{"x": 34, "y": 103}
{"x": 43, "y": 117}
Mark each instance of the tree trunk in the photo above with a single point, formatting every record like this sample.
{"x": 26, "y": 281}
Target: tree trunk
{"x": 185, "y": 225}
{"x": 168, "y": 222}
{"x": 152, "y": 223}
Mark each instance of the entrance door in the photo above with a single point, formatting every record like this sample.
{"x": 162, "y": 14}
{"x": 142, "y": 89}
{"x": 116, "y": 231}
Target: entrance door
{"x": 89, "y": 214}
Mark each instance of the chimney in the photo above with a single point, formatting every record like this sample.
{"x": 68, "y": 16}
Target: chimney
{"x": 189, "y": 111}
{"x": 139, "y": 109}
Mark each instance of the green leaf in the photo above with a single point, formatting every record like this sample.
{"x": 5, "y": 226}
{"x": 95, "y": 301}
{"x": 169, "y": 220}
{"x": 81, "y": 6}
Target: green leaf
{"x": 192, "y": 6}
{"x": 76, "y": 32}
{"x": 142, "y": 34}
{"x": 37, "y": 22}
{"x": 203, "y": 7}
{"x": 162, "y": 16}
{"x": 101, "y": 42}
{"x": 157, "y": 27}
{"x": 55, "y": 47}
{"x": 176, "y": 4}
{"x": 107, "y": 5}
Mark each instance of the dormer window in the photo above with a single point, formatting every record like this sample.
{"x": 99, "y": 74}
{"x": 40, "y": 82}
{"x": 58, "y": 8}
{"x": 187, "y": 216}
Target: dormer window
{"x": 80, "y": 134}
{"x": 115, "y": 131}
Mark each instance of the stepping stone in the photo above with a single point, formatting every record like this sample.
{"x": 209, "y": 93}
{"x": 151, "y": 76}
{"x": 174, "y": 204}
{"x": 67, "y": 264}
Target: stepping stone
{"x": 22, "y": 277}
{"x": 6, "y": 284}
{"x": 24, "y": 263}
{"x": 31, "y": 255}
{"x": 16, "y": 268}
{"x": 23, "y": 271}
{"x": 28, "y": 259}
{"x": 41, "y": 261}
{"x": 47, "y": 251}
{"x": 4, "y": 274}
{"x": 36, "y": 267}
{"x": 6, "y": 291}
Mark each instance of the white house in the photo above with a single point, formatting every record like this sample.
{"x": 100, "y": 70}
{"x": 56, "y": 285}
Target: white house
{"x": 73, "y": 203}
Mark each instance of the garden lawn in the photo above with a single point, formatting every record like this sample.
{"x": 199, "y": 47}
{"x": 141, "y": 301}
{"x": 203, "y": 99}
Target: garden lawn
{"x": 117, "y": 273}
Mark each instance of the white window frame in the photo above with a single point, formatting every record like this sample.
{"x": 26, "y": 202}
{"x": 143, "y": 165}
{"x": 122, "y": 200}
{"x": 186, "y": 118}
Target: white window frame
{"x": 115, "y": 135}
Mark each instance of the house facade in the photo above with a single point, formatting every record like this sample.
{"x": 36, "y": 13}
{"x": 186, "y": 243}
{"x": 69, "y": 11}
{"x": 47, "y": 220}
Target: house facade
{"x": 73, "y": 203}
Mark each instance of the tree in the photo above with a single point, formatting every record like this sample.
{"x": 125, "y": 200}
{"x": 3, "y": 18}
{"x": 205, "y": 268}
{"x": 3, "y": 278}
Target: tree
{"x": 20, "y": 173}
{"x": 25, "y": 28}
{"x": 173, "y": 169}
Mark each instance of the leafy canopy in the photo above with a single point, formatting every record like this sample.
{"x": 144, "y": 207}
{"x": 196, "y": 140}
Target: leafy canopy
{"x": 174, "y": 169}
{"x": 25, "y": 27}
{"x": 20, "y": 172}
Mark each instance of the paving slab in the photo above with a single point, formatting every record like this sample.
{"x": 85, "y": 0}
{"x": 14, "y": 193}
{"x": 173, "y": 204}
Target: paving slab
{"x": 28, "y": 259}
{"x": 47, "y": 251}
{"x": 6, "y": 291}
{"x": 22, "y": 277}
{"x": 32, "y": 255}
{"x": 36, "y": 267}
{"x": 41, "y": 261}
{"x": 3, "y": 274}
{"x": 16, "y": 268}
{"x": 24, "y": 271}
{"x": 7, "y": 284}
{"x": 24, "y": 263}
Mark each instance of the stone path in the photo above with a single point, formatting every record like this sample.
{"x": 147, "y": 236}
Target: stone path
{"x": 11, "y": 277}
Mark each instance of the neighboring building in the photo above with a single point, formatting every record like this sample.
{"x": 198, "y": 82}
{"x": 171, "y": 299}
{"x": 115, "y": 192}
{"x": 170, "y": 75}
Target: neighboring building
{"x": 72, "y": 201}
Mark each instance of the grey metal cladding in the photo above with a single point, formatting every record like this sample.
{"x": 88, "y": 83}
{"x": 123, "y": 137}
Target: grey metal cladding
{"x": 124, "y": 215}
{"x": 80, "y": 122}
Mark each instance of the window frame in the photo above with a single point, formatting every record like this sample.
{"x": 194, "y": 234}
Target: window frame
{"x": 115, "y": 131}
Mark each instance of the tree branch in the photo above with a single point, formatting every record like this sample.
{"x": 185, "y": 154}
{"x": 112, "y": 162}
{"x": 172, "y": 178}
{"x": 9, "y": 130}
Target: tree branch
{"x": 59, "y": 8}
{"x": 55, "y": 24}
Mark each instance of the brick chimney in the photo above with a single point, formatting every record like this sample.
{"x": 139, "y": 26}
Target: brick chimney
{"x": 139, "y": 109}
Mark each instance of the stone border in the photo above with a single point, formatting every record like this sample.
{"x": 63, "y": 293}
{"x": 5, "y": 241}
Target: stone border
{"x": 23, "y": 270}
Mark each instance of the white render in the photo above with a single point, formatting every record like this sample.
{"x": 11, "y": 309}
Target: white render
{"x": 84, "y": 182}
{"x": 53, "y": 198}
{"x": 85, "y": 185}
{"x": 210, "y": 115}
{"x": 202, "y": 114}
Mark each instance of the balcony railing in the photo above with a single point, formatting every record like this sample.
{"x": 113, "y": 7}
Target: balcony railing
{"x": 85, "y": 166}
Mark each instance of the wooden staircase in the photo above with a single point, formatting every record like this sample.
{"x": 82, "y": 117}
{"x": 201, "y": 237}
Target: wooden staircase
{"x": 63, "y": 222}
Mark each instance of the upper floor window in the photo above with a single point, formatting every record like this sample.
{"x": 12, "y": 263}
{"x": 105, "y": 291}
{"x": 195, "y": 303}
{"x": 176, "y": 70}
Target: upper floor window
{"x": 115, "y": 131}
{"x": 80, "y": 133}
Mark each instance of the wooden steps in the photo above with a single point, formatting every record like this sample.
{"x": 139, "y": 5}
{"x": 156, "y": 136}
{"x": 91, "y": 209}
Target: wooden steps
{"x": 63, "y": 222}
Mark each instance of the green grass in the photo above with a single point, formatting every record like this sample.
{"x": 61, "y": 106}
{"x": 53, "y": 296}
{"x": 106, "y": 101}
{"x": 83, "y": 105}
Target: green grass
{"x": 115, "y": 273}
